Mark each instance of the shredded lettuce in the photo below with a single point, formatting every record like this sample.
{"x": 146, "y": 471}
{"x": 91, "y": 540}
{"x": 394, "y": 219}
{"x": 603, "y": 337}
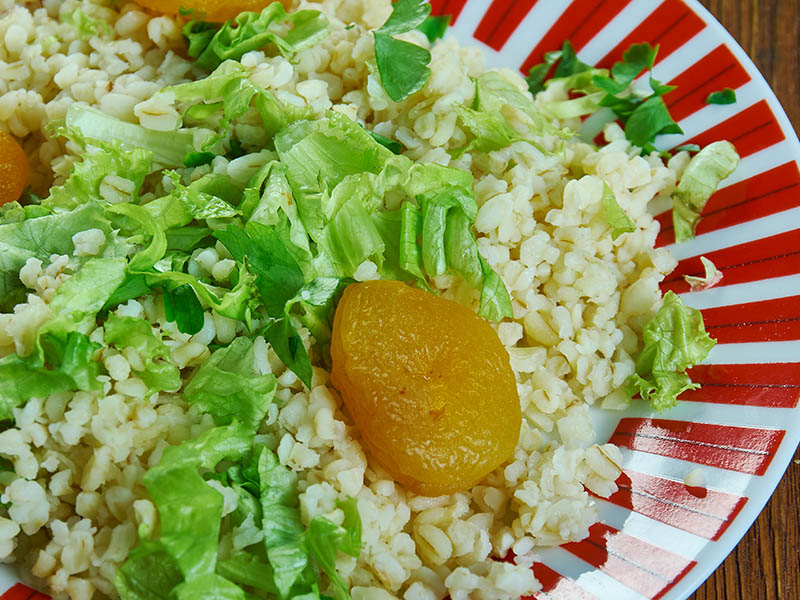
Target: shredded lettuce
{"x": 711, "y": 277}
{"x": 40, "y": 238}
{"x": 168, "y": 148}
{"x": 490, "y": 127}
{"x": 24, "y": 378}
{"x": 211, "y": 44}
{"x": 615, "y": 217}
{"x": 158, "y": 374}
{"x": 674, "y": 340}
{"x": 185, "y": 554}
{"x": 699, "y": 181}
{"x": 228, "y": 386}
{"x": 63, "y": 355}
{"x": 83, "y": 184}
{"x": 85, "y": 26}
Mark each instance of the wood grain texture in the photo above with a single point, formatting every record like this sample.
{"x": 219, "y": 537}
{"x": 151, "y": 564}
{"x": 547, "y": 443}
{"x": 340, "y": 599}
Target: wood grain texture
{"x": 766, "y": 563}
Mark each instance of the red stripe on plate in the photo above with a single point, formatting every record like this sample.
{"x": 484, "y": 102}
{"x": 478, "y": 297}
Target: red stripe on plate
{"x": 700, "y": 511}
{"x": 557, "y": 587}
{"x": 717, "y": 70}
{"x": 764, "y": 194}
{"x": 751, "y": 130}
{"x": 670, "y": 25}
{"x": 765, "y": 321}
{"x": 23, "y": 592}
{"x": 648, "y": 569}
{"x": 448, "y": 7}
{"x": 743, "y": 449}
{"x": 579, "y": 23}
{"x": 500, "y": 21}
{"x": 772, "y": 385}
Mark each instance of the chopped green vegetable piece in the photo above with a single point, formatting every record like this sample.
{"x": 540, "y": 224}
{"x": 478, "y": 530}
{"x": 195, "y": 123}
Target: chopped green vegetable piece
{"x": 24, "y": 378}
{"x": 406, "y": 15}
{"x": 278, "y": 277}
{"x": 615, "y": 217}
{"x": 402, "y": 66}
{"x": 538, "y": 73}
{"x": 393, "y": 145}
{"x": 434, "y": 27}
{"x": 649, "y": 119}
{"x": 229, "y": 387}
{"x": 699, "y": 181}
{"x": 636, "y": 59}
{"x": 726, "y": 96}
{"x": 569, "y": 64}
{"x": 86, "y": 26}
{"x": 644, "y": 116}
{"x": 182, "y": 306}
{"x": 711, "y": 276}
{"x": 212, "y": 44}
{"x": 158, "y": 374}
{"x": 168, "y": 148}
{"x": 674, "y": 340}
{"x": 197, "y": 159}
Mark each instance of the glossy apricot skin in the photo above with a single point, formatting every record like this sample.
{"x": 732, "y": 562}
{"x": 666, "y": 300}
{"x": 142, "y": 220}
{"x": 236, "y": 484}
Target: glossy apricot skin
{"x": 13, "y": 168}
{"x": 428, "y": 384}
{"x": 207, "y": 10}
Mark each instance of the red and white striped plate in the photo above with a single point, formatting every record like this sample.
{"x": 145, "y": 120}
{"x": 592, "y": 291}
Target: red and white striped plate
{"x": 657, "y": 537}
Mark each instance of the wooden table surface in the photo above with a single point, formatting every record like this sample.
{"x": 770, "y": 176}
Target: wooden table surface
{"x": 766, "y": 563}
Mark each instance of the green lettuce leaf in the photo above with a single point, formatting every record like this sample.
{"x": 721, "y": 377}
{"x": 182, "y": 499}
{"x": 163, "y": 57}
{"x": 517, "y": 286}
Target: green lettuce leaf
{"x": 148, "y": 573}
{"x": 615, "y": 217}
{"x": 168, "y": 148}
{"x": 699, "y": 181}
{"x": 158, "y": 374}
{"x": 85, "y": 26}
{"x": 184, "y": 555}
{"x": 318, "y": 155}
{"x": 83, "y": 184}
{"x": 24, "y": 378}
{"x": 228, "y": 387}
{"x": 283, "y": 530}
{"x": 244, "y": 568}
{"x": 674, "y": 340}
{"x": 189, "y": 510}
{"x": 210, "y": 45}
{"x": 42, "y": 237}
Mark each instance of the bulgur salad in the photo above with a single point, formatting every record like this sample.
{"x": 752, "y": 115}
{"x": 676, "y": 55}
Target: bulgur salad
{"x": 310, "y": 304}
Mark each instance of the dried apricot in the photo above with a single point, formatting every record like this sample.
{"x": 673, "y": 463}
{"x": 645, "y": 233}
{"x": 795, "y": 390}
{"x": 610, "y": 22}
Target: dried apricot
{"x": 13, "y": 168}
{"x": 427, "y": 382}
{"x": 208, "y": 10}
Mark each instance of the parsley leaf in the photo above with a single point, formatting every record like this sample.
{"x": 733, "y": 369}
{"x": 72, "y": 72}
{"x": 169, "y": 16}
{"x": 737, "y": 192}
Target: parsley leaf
{"x": 393, "y": 145}
{"x": 435, "y": 27}
{"x": 726, "y": 96}
{"x": 649, "y": 119}
{"x": 403, "y": 67}
{"x": 568, "y": 64}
